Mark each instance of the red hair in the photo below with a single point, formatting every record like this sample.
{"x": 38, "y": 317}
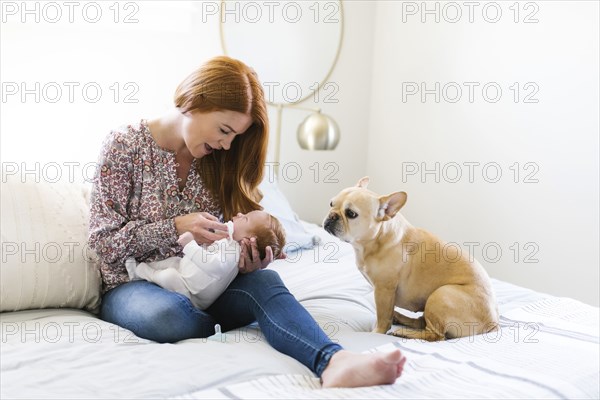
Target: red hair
{"x": 232, "y": 176}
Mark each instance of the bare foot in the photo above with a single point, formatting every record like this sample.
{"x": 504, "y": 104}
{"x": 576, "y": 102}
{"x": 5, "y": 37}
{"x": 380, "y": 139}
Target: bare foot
{"x": 185, "y": 238}
{"x": 347, "y": 369}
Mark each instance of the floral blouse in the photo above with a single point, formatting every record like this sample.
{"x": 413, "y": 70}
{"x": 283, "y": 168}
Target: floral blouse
{"x": 135, "y": 198}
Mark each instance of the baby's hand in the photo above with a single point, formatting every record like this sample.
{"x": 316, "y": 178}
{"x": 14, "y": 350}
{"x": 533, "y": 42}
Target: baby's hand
{"x": 185, "y": 238}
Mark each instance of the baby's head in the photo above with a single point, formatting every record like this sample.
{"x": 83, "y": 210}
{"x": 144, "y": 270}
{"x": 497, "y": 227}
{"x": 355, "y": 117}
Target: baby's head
{"x": 266, "y": 228}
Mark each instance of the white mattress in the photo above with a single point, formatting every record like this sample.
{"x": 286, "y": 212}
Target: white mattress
{"x": 548, "y": 348}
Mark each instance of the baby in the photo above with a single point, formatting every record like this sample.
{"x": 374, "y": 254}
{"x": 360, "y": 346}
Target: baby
{"x": 205, "y": 272}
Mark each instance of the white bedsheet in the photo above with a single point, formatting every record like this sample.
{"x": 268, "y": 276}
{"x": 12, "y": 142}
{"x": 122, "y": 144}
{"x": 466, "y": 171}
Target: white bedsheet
{"x": 547, "y": 348}
{"x": 556, "y": 357}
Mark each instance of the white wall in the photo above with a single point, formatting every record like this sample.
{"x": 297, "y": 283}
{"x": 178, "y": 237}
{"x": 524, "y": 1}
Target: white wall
{"x": 151, "y": 55}
{"x": 554, "y": 218}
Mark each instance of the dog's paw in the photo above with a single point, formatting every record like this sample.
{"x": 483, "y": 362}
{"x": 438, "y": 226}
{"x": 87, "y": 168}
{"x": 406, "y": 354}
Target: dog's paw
{"x": 397, "y": 333}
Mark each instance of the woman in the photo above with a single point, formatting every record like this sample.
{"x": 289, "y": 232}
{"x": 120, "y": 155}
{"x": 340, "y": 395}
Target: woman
{"x": 177, "y": 173}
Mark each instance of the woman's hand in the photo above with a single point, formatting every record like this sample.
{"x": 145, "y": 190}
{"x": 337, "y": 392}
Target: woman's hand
{"x": 250, "y": 259}
{"x": 205, "y": 227}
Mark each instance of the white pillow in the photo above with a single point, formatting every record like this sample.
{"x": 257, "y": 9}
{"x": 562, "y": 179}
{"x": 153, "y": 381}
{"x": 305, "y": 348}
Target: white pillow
{"x": 46, "y": 262}
{"x": 274, "y": 202}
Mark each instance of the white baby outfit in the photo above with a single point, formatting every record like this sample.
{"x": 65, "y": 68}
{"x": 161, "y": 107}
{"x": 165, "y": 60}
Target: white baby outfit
{"x": 201, "y": 275}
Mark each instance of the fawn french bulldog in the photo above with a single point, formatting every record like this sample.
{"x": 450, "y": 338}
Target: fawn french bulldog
{"x": 412, "y": 269}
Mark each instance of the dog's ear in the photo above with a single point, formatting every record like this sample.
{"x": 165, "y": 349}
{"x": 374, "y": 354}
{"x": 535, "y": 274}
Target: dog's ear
{"x": 363, "y": 183}
{"x": 389, "y": 205}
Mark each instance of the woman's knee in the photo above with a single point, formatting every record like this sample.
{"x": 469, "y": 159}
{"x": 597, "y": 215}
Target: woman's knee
{"x": 261, "y": 279}
{"x": 268, "y": 276}
{"x": 262, "y": 285}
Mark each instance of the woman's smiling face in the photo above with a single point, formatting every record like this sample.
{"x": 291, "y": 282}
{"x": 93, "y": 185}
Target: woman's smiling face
{"x": 204, "y": 132}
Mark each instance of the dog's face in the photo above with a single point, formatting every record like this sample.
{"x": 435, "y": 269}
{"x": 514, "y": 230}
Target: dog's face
{"x": 356, "y": 212}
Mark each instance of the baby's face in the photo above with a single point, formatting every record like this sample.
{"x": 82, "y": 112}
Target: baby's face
{"x": 245, "y": 224}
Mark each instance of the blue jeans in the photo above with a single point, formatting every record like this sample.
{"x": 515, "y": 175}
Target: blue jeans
{"x": 157, "y": 314}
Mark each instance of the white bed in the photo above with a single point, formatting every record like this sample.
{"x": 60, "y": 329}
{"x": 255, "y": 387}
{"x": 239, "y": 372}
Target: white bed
{"x": 548, "y": 347}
